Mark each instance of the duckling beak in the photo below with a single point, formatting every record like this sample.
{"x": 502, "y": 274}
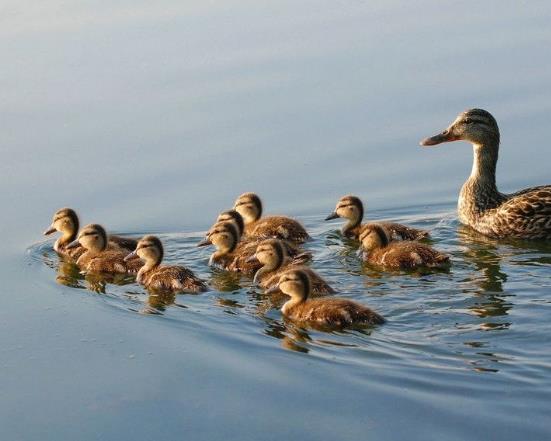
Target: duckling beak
{"x": 49, "y": 231}
{"x": 446, "y": 136}
{"x": 75, "y": 243}
{"x": 252, "y": 259}
{"x": 130, "y": 256}
{"x": 333, "y": 215}
{"x": 273, "y": 289}
{"x": 204, "y": 242}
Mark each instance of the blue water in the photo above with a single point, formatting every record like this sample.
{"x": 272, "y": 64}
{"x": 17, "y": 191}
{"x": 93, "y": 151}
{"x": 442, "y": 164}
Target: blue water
{"x": 154, "y": 117}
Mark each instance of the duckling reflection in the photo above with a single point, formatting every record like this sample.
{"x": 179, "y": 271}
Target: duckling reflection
{"x": 249, "y": 206}
{"x": 351, "y": 208}
{"x": 68, "y": 273}
{"x": 67, "y": 223}
{"x": 323, "y": 313}
{"x": 482, "y": 252}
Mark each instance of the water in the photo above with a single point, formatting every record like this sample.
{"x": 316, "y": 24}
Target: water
{"x": 153, "y": 118}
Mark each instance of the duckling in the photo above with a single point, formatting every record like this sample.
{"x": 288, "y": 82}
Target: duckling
{"x": 525, "y": 214}
{"x": 66, "y": 221}
{"x": 272, "y": 255}
{"x": 249, "y": 206}
{"x": 323, "y": 312}
{"x": 406, "y": 254}
{"x": 155, "y": 276}
{"x": 351, "y": 208}
{"x": 230, "y": 254}
{"x": 234, "y": 217}
{"x": 98, "y": 258}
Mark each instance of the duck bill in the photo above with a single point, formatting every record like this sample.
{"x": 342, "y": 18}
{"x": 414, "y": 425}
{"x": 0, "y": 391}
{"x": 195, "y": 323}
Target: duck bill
{"x": 73, "y": 244}
{"x": 204, "y": 243}
{"x": 252, "y": 259}
{"x": 131, "y": 256}
{"x": 49, "y": 231}
{"x": 332, "y": 216}
{"x": 445, "y": 136}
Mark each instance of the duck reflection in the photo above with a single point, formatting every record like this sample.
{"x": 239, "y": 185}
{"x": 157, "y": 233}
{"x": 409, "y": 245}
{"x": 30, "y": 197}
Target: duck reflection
{"x": 483, "y": 253}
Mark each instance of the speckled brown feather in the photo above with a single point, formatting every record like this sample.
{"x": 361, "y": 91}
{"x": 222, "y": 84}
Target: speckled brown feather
{"x": 407, "y": 255}
{"x": 334, "y": 313}
{"x": 395, "y": 231}
{"x": 278, "y": 227}
{"x": 109, "y": 261}
{"x": 172, "y": 278}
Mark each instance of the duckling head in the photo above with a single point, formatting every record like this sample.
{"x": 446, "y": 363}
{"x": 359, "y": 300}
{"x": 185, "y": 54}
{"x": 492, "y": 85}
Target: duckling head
{"x": 373, "y": 236}
{"x": 294, "y": 283}
{"x": 270, "y": 253}
{"x": 232, "y": 216}
{"x": 349, "y": 207}
{"x": 149, "y": 249}
{"x": 93, "y": 237}
{"x": 249, "y": 206}
{"x": 64, "y": 221}
{"x": 223, "y": 235}
{"x": 477, "y": 126}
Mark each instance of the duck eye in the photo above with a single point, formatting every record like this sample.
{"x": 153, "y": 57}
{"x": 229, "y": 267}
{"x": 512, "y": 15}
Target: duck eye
{"x": 468, "y": 121}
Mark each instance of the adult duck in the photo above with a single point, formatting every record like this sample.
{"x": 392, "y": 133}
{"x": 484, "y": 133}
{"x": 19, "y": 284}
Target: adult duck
{"x": 525, "y": 214}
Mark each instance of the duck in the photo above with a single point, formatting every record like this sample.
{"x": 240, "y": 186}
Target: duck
{"x": 292, "y": 249}
{"x": 379, "y": 250}
{"x": 271, "y": 253}
{"x": 325, "y": 312}
{"x": 153, "y": 275}
{"x": 98, "y": 257}
{"x": 230, "y": 254}
{"x": 65, "y": 220}
{"x": 524, "y": 215}
{"x": 249, "y": 206}
{"x": 351, "y": 207}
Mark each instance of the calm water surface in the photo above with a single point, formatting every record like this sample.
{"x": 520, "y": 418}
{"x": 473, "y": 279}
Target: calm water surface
{"x": 154, "y": 117}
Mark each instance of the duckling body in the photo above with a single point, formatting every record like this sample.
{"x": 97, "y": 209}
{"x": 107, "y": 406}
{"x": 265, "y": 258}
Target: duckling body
{"x": 247, "y": 250}
{"x": 66, "y": 221}
{"x": 351, "y": 208}
{"x": 323, "y": 312}
{"x": 249, "y": 206}
{"x": 153, "y": 275}
{"x": 378, "y": 250}
{"x": 522, "y": 215}
{"x": 97, "y": 256}
{"x": 272, "y": 255}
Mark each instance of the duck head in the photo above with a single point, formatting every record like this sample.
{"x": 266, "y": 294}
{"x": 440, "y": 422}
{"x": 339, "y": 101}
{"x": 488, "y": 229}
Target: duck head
{"x": 249, "y": 206}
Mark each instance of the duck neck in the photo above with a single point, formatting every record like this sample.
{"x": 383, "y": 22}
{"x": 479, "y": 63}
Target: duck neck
{"x": 66, "y": 238}
{"x": 269, "y": 267}
{"x": 480, "y": 191}
{"x": 351, "y": 224}
{"x": 292, "y": 303}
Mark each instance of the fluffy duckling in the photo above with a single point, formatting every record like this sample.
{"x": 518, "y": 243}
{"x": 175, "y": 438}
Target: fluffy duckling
{"x": 234, "y": 217}
{"x": 272, "y": 255}
{"x": 230, "y": 254}
{"x": 351, "y": 208}
{"x": 525, "y": 214}
{"x": 66, "y": 222}
{"x": 249, "y": 206}
{"x": 379, "y": 250}
{"x": 323, "y": 312}
{"x": 155, "y": 276}
{"x": 98, "y": 258}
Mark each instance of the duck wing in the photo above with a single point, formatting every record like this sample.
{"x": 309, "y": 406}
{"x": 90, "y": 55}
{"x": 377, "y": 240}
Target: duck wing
{"x": 525, "y": 214}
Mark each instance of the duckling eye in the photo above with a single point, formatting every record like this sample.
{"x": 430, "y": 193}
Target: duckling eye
{"x": 468, "y": 121}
